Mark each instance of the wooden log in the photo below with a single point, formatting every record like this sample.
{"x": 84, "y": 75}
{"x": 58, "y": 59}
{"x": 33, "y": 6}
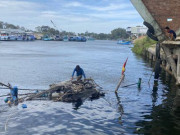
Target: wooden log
{"x": 8, "y": 86}
{"x": 120, "y": 81}
{"x": 53, "y": 89}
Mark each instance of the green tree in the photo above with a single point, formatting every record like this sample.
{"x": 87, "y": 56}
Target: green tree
{"x": 1, "y": 25}
{"x": 119, "y": 33}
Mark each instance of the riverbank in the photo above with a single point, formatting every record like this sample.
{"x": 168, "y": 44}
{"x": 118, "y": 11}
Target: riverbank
{"x": 141, "y": 44}
{"x": 147, "y": 48}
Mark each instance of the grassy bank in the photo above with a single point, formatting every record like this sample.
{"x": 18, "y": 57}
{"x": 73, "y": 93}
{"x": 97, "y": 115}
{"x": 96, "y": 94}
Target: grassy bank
{"x": 141, "y": 44}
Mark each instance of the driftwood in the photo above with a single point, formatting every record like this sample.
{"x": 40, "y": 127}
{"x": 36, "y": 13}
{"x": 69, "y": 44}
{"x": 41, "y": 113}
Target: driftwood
{"x": 70, "y": 91}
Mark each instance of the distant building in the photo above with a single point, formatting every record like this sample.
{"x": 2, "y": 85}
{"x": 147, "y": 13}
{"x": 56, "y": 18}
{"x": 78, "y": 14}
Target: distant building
{"x": 128, "y": 30}
{"x": 137, "y": 31}
{"x": 12, "y": 31}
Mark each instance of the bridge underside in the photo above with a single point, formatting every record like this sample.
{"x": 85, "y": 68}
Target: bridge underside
{"x": 159, "y": 14}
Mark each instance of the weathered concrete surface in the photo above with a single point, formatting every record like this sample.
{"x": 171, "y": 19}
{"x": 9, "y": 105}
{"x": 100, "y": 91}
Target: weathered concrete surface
{"x": 171, "y": 43}
{"x": 170, "y": 60}
{"x": 170, "y": 56}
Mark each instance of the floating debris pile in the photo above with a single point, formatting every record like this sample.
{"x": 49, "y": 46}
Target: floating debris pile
{"x": 69, "y": 91}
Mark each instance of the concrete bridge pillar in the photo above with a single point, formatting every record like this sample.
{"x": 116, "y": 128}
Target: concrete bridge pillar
{"x": 170, "y": 60}
{"x": 178, "y": 66}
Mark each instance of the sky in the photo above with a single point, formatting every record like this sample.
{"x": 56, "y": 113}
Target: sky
{"x": 99, "y": 16}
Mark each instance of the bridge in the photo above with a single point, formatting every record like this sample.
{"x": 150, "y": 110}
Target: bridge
{"x": 158, "y": 14}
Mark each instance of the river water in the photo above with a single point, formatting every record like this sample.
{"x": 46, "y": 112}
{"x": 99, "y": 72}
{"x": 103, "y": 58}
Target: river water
{"x": 152, "y": 109}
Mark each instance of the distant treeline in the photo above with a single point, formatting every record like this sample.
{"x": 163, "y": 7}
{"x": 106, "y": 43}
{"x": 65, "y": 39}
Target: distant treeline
{"x": 5, "y": 25}
{"x": 115, "y": 34}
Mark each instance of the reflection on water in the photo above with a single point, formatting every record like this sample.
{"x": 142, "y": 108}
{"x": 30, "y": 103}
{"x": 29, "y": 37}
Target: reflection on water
{"x": 77, "y": 104}
{"x": 152, "y": 109}
{"x": 154, "y": 93}
{"x": 164, "y": 118}
{"x": 120, "y": 108}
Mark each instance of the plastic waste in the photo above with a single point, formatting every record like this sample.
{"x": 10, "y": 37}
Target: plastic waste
{"x": 6, "y": 100}
{"x": 24, "y": 106}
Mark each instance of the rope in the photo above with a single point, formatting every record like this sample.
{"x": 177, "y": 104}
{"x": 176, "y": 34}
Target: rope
{"x": 129, "y": 85}
{"x": 6, "y": 124}
{"x": 7, "y": 120}
{"x": 18, "y": 94}
{"x": 21, "y": 89}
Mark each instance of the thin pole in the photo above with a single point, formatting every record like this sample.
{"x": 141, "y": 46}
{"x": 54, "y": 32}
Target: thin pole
{"x": 122, "y": 75}
{"x": 120, "y": 81}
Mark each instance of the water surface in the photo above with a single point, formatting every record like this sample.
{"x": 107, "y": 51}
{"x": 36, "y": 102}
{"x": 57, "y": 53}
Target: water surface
{"x": 153, "y": 109}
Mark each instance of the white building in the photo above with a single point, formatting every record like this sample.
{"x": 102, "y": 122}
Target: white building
{"x": 12, "y": 31}
{"x": 137, "y": 31}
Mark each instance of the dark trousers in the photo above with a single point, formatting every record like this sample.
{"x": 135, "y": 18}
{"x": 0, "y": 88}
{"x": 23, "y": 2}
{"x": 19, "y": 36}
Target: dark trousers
{"x": 79, "y": 77}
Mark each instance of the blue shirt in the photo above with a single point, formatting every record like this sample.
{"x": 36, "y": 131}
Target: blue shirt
{"x": 79, "y": 72}
{"x": 172, "y": 32}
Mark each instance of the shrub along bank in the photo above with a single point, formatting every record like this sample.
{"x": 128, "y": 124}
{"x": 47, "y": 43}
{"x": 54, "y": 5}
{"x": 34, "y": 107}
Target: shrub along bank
{"x": 141, "y": 44}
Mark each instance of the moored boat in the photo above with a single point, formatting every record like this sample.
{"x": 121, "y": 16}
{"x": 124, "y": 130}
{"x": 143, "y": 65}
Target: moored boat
{"x": 78, "y": 39}
{"x": 90, "y": 39}
{"x": 58, "y": 38}
{"x": 4, "y": 37}
{"x": 123, "y": 42}
{"x": 65, "y": 38}
{"x": 47, "y": 38}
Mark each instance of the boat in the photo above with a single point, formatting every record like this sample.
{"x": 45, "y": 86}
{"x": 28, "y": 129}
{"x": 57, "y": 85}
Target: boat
{"x": 30, "y": 37}
{"x": 65, "y": 38}
{"x": 4, "y": 37}
{"x": 47, "y": 38}
{"x": 90, "y": 39}
{"x": 72, "y": 38}
{"x": 78, "y": 39}
{"x": 20, "y": 38}
{"x": 12, "y": 38}
{"x": 81, "y": 39}
{"x": 58, "y": 38}
{"x": 123, "y": 42}
{"x": 7, "y": 37}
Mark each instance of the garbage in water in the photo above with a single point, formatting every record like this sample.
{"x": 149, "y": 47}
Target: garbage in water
{"x": 66, "y": 91}
{"x": 69, "y": 91}
{"x": 24, "y": 106}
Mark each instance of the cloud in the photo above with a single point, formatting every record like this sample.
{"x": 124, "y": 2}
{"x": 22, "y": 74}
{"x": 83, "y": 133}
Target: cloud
{"x": 74, "y": 4}
{"x": 109, "y": 7}
{"x": 117, "y": 15}
{"x": 89, "y": 15}
{"x": 14, "y": 5}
